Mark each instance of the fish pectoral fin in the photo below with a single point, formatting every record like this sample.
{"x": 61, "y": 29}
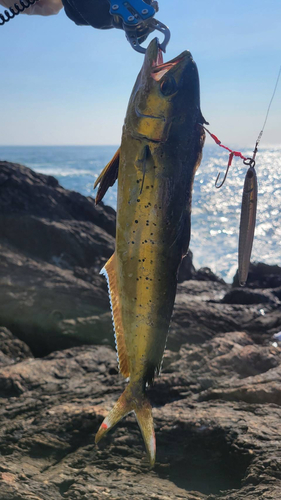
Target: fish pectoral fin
{"x": 132, "y": 399}
{"x": 107, "y": 177}
{"x": 142, "y": 163}
{"x": 109, "y": 271}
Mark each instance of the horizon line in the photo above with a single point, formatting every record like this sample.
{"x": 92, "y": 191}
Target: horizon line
{"x": 208, "y": 143}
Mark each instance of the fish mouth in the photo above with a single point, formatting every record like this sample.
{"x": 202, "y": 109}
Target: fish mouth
{"x": 159, "y": 68}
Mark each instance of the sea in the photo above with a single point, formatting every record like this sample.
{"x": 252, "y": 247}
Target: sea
{"x": 215, "y": 212}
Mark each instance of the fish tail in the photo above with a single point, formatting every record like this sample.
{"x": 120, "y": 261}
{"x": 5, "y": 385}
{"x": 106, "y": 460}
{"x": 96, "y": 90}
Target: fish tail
{"x": 133, "y": 399}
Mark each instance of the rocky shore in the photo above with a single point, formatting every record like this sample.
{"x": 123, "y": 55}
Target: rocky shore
{"x": 217, "y": 403}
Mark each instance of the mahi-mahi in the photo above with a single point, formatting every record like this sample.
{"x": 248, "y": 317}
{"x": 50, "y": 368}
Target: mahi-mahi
{"x": 160, "y": 151}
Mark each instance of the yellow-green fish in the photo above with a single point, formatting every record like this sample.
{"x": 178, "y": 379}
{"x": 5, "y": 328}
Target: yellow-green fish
{"x": 160, "y": 151}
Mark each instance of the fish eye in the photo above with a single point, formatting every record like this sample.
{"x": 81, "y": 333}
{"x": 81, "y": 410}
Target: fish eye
{"x": 168, "y": 86}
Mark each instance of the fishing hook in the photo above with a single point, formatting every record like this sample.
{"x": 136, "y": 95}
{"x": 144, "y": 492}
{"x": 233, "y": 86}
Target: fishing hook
{"x": 226, "y": 172}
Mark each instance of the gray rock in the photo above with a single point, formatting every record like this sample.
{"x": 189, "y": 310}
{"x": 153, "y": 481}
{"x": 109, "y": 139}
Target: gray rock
{"x": 217, "y": 426}
{"x": 261, "y": 276}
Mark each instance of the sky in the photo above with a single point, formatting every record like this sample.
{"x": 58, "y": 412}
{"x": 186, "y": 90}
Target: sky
{"x": 63, "y": 84}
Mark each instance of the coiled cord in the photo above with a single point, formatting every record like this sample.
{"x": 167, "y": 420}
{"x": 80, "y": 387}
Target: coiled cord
{"x": 15, "y": 10}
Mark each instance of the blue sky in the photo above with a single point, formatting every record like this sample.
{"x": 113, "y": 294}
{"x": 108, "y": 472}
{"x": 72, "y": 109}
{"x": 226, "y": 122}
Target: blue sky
{"x": 64, "y": 84}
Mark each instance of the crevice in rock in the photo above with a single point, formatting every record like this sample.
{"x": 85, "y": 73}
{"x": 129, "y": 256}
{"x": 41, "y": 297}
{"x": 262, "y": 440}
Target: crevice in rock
{"x": 201, "y": 459}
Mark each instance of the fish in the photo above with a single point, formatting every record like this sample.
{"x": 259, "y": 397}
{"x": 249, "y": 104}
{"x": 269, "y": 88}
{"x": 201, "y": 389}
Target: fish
{"x": 161, "y": 149}
{"x": 247, "y": 224}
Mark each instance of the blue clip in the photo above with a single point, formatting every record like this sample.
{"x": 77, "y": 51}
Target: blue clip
{"x": 132, "y": 12}
{"x": 136, "y": 18}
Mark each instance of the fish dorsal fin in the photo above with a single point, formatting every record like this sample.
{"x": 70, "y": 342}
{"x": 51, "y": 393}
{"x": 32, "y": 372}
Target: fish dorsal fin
{"x": 107, "y": 177}
{"x": 109, "y": 271}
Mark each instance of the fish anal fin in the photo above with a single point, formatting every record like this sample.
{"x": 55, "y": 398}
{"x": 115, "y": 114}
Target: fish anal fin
{"x": 109, "y": 271}
{"x": 107, "y": 177}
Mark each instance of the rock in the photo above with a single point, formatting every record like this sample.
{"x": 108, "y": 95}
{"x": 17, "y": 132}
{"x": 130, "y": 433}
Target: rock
{"x": 200, "y": 312}
{"x": 261, "y": 276}
{"x": 53, "y": 244}
{"x": 277, "y": 293}
{"x": 217, "y": 403}
{"x": 217, "y": 419}
{"x": 11, "y": 348}
{"x": 205, "y": 274}
{"x": 245, "y": 296}
{"x": 36, "y": 298}
{"x": 25, "y": 192}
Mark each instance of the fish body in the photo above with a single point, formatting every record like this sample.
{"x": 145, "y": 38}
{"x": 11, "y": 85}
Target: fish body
{"x": 247, "y": 224}
{"x": 160, "y": 151}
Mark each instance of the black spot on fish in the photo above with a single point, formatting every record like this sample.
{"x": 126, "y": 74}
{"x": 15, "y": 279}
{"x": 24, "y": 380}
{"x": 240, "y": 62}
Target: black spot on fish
{"x": 136, "y": 221}
{"x": 138, "y": 200}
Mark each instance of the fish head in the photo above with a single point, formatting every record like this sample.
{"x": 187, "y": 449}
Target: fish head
{"x": 165, "y": 100}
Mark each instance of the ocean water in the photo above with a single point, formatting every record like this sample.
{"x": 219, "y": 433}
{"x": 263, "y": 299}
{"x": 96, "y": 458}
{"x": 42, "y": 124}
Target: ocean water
{"x": 215, "y": 212}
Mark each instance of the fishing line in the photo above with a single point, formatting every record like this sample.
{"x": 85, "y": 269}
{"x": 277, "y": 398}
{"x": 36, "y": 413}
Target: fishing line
{"x": 266, "y": 117}
{"x": 249, "y": 198}
{"x": 247, "y": 161}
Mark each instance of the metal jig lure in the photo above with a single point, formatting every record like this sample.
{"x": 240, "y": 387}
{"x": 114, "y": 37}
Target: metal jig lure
{"x": 247, "y": 221}
{"x": 249, "y": 206}
{"x": 249, "y": 197}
